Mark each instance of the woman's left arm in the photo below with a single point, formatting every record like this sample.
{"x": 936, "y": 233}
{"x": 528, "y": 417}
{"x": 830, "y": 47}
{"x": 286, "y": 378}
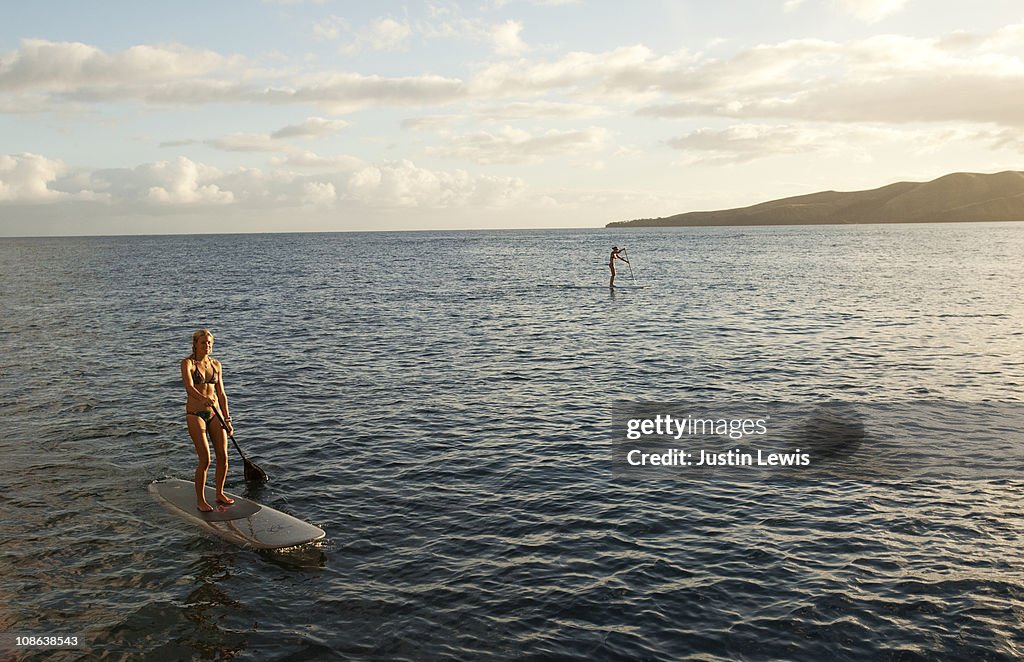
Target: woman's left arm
{"x": 222, "y": 397}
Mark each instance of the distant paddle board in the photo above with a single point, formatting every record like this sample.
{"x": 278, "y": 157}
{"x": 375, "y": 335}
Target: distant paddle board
{"x": 244, "y": 522}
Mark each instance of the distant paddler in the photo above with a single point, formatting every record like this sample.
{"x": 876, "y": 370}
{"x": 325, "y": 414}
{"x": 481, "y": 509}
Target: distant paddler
{"x": 611, "y": 263}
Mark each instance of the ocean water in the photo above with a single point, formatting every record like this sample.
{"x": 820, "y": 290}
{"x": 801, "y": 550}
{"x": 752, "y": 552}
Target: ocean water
{"x": 441, "y": 403}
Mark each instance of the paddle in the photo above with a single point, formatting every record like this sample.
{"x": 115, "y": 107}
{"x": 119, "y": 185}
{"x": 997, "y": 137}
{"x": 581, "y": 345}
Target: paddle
{"x": 252, "y": 472}
{"x": 630, "y": 265}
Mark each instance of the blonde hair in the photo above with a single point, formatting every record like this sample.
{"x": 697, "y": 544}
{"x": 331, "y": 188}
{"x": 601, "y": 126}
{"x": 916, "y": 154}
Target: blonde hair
{"x": 199, "y": 333}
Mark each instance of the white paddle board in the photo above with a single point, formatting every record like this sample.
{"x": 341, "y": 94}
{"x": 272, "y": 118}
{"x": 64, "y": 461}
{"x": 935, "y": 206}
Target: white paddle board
{"x": 244, "y": 522}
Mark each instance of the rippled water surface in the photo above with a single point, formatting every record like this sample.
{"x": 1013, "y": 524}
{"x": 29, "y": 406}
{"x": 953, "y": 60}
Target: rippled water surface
{"x": 441, "y": 404}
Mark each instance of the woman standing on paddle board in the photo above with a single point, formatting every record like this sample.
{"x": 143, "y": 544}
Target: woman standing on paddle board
{"x": 204, "y": 385}
{"x": 611, "y": 263}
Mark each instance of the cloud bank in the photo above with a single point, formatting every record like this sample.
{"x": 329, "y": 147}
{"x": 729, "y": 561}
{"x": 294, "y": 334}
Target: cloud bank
{"x": 181, "y": 182}
{"x": 958, "y": 77}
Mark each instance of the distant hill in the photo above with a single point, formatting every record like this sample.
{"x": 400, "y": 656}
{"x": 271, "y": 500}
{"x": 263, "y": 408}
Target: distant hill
{"x": 957, "y": 198}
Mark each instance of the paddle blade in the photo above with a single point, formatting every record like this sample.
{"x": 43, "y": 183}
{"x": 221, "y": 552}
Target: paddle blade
{"x": 254, "y": 473}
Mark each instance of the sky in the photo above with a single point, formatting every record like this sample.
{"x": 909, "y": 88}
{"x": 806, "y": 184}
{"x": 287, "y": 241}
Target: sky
{"x": 127, "y": 117}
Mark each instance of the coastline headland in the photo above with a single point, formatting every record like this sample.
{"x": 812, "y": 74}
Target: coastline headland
{"x": 956, "y": 198}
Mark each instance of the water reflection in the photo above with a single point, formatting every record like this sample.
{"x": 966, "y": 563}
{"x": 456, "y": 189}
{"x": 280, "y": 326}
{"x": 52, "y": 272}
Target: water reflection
{"x": 208, "y": 606}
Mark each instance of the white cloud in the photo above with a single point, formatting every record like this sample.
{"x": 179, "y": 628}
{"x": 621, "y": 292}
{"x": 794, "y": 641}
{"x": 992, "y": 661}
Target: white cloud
{"x": 630, "y": 69}
{"x": 310, "y": 161}
{"x": 312, "y": 127}
{"x": 512, "y": 112}
{"x": 343, "y": 91}
{"x": 873, "y": 11}
{"x": 245, "y": 142}
{"x": 33, "y": 178}
{"x": 319, "y": 194}
{"x": 880, "y": 79}
{"x": 956, "y": 77}
{"x": 331, "y": 27}
{"x": 498, "y": 4}
{"x": 742, "y": 143}
{"x": 517, "y": 146}
{"x": 539, "y": 110}
{"x": 749, "y": 142}
{"x": 870, "y": 11}
{"x": 44, "y": 65}
{"x": 432, "y": 122}
{"x": 44, "y": 75}
{"x": 178, "y": 143}
{"x": 384, "y": 34}
{"x": 26, "y": 177}
{"x": 179, "y": 182}
{"x": 182, "y": 184}
{"x": 506, "y": 38}
{"x": 402, "y": 184}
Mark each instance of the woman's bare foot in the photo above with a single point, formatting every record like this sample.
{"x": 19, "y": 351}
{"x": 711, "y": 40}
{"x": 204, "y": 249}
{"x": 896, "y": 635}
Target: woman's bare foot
{"x": 204, "y": 507}
{"x": 225, "y": 499}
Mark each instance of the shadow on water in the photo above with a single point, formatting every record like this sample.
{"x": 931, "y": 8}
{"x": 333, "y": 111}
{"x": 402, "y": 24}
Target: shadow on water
{"x": 207, "y": 623}
{"x": 208, "y": 605}
{"x": 834, "y": 430}
{"x": 302, "y": 557}
{"x": 838, "y": 438}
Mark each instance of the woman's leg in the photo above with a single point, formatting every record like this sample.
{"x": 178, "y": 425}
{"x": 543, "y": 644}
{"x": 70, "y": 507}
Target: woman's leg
{"x": 197, "y": 430}
{"x": 219, "y": 437}
{"x": 611, "y": 281}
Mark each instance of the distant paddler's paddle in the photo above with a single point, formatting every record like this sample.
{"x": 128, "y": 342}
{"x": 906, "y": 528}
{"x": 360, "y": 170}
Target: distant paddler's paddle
{"x": 252, "y": 472}
{"x": 630, "y": 266}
